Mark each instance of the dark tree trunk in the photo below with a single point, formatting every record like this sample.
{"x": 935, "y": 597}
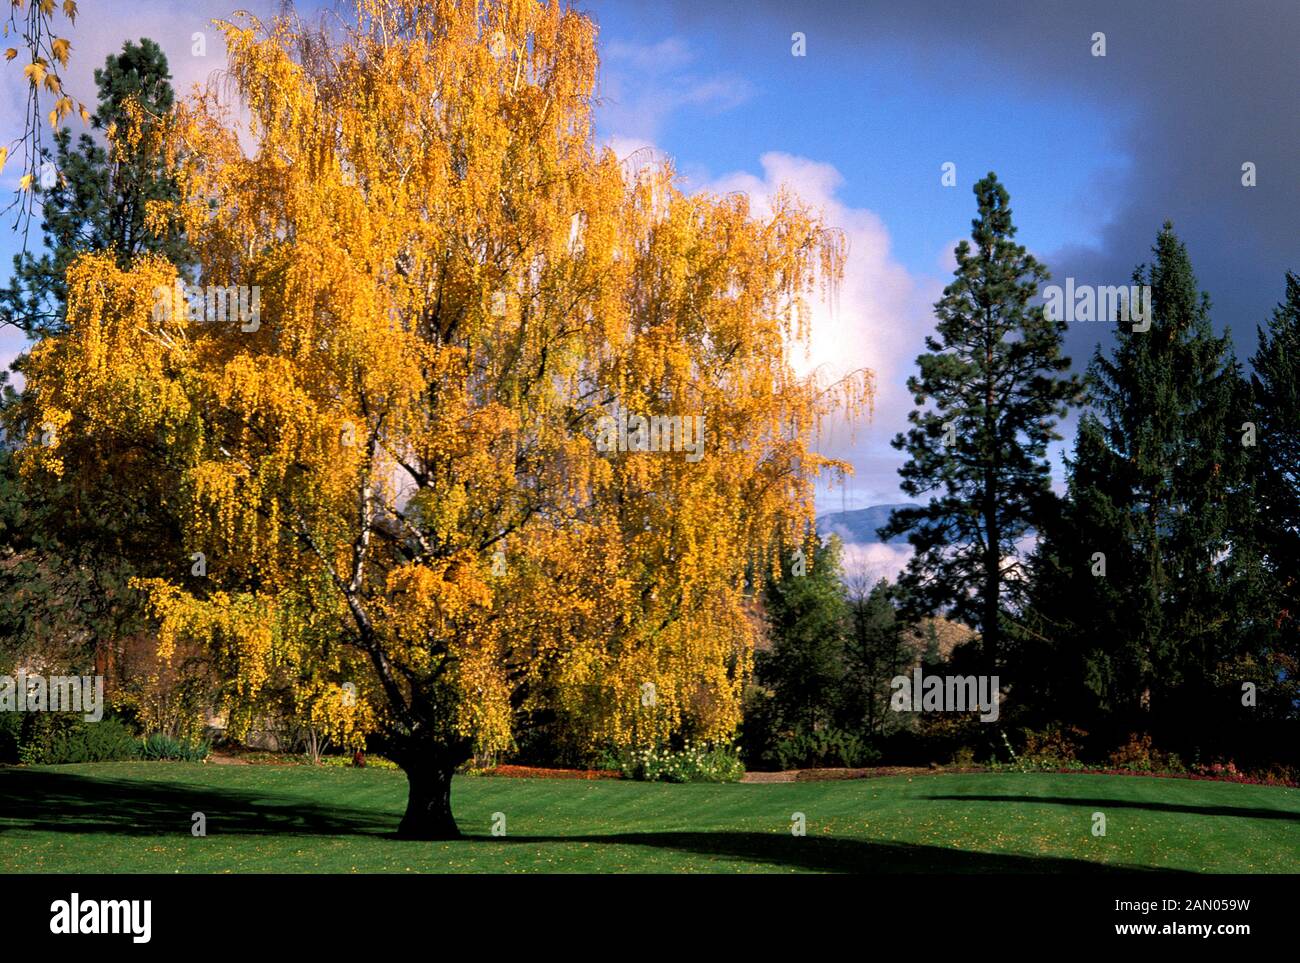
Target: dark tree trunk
{"x": 428, "y": 803}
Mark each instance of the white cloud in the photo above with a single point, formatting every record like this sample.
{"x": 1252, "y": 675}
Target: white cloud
{"x": 669, "y": 54}
{"x": 868, "y": 564}
{"x": 879, "y": 322}
{"x": 642, "y": 85}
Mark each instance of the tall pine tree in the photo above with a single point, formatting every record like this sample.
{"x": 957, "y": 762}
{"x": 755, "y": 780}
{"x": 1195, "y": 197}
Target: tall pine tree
{"x": 989, "y": 394}
{"x": 97, "y": 201}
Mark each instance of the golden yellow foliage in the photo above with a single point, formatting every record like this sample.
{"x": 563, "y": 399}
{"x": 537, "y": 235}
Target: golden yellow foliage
{"x": 399, "y": 461}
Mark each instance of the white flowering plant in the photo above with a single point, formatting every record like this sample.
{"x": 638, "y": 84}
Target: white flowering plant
{"x": 694, "y": 762}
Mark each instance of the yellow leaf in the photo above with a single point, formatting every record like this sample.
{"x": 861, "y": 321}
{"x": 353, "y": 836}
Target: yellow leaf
{"x": 70, "y": 10}
{"x": 54, "y": 117}
{"x": 85, "y": 114}
{"x": 34, "y": 72}
{"x": 25, "y": 182}
{"x": 60, "y": 46}
{"x": 4, "y": 156}
{"x": 11, "y": 53}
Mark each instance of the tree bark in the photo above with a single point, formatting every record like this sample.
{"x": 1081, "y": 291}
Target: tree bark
{"x": 428, "y": 802}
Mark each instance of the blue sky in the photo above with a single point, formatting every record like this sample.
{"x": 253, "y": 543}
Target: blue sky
{"x": 886, "y": 118}
{"x": 1096, "y": 151}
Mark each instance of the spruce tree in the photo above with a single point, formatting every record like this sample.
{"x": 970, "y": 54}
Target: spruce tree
{"x": 990, "y": 391}
{"x": 1276, "y": 399}
{"x": 1276, "y": 385}
{"x": 1077, "y": 662}
{"x": 1158, "y": 492}
{"x": 807, "y": 616}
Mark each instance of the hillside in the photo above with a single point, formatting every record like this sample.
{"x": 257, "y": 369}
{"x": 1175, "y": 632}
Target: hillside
{"x": 859, "y": 526}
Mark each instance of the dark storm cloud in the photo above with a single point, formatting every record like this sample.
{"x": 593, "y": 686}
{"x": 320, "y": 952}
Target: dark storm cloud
{"x": 1196, "y": 89}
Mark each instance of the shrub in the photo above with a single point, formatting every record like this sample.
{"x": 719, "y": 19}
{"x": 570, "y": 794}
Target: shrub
{"x": 57, "y": 738}
{"x": 824, "y": 748}
{"x": 108, "y": 740}
{"x": 1280, "y": 775}
{"x": 1140, "y": 755}
{"x": 607, "y": 758}
{"x": 696, "y": 762}
{"x": 1220, "y": 770}
{"x": 160, "y": 746}
{"x": 372, "y": 761}
{"x": 964, "y": 758}
{"x": 164, "y": 694}
{"x": 1055, "y": 747}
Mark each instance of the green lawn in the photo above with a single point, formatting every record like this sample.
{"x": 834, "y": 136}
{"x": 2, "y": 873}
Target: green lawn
{"x": 135, "y": 817}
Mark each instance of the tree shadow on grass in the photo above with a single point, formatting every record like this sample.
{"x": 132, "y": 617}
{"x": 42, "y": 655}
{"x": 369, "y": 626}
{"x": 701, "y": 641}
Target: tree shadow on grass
{"x": 1240, "y": 812}
{"x": 43, "y": 801}
{"x": 838, "y": 855}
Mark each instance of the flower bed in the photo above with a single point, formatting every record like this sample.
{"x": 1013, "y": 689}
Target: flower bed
{"x": 533, "y": 772}
{"x": 1225, "y": 775}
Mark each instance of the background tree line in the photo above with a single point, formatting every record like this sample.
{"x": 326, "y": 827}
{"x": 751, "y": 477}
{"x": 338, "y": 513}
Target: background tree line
{"x": 1156, "y": 597}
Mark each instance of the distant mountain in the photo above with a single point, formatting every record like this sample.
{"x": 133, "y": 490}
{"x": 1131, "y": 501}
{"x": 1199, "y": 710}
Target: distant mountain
{"x": 859, "y": 526}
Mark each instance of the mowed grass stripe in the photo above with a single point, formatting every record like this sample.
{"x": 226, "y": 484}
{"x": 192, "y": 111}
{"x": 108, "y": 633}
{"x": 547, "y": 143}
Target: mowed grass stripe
{"x": 136, "y": 817}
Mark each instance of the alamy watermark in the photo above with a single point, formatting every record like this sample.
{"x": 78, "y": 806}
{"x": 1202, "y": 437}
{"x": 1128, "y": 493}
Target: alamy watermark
{"x": 624, "y": 432}
{"x": 1088, "y": 302}
{"x": 58, "y": 693}
{"x": 950, "y": 693}
{"x": 131, "y": 917}
{"x": 211, "y": 303}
